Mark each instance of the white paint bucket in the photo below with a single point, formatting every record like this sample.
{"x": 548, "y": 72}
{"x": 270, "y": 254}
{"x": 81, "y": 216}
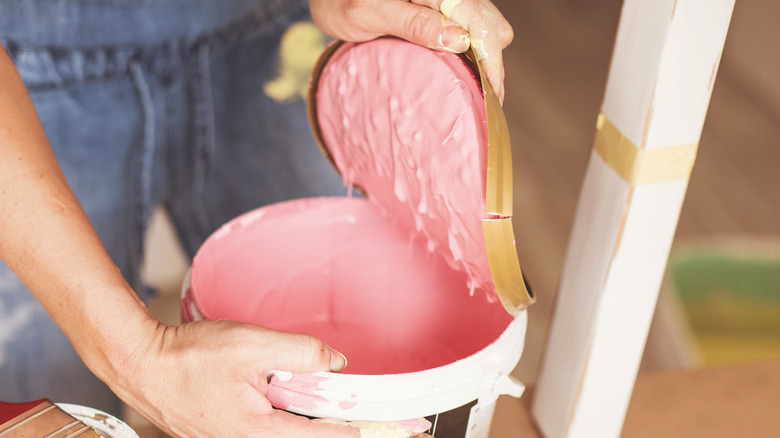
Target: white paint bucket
{"x": 106, "y": 425}
{"x": 337, "y": 268}
{"x": 458, "y": 399}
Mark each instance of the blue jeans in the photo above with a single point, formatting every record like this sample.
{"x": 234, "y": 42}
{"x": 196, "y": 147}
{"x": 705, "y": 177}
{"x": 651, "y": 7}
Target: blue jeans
{"x": 145, "y": 103}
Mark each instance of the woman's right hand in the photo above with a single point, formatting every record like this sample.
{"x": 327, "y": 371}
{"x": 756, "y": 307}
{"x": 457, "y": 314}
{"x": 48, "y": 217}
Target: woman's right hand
{"x": 450, "y": 25}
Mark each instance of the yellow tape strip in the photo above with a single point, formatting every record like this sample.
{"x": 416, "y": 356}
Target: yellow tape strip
{"x": 642, "y": 166}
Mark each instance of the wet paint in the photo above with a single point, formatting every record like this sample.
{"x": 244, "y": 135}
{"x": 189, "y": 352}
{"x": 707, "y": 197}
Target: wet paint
{"x": 299, "y": 390}
{"x": 339, "y": 269}
{"x": 416, "y": 144}
{"x": 472, "y": 16}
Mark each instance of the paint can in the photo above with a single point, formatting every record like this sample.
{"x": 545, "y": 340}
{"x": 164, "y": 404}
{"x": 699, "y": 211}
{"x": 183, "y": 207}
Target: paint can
{"x": 105, "y": 424}
{"x": 418, "y": 285}
{"x": 418, "y": 344}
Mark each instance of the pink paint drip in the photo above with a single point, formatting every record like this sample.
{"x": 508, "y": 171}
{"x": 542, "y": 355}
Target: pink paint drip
{"x": 347, "y": 405}
{"x": 301, "y": 390}
{"x": 417, "y": 425}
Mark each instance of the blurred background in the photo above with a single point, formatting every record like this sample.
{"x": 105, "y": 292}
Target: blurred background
{"x": 720, "y": 302}
{"x": 721, "y": 297}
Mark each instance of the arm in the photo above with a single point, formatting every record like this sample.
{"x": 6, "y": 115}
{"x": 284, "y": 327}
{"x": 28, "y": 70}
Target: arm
{"x": 450, "y": 25}
{"x": 47, "y": 240}
{"x": 201, "y": 379}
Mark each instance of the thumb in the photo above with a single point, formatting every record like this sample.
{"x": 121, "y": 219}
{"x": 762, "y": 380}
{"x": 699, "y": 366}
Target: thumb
{"x": 285, "y": 424}
{"x": 302, "y": 353}
{"x": 424, "y": 26}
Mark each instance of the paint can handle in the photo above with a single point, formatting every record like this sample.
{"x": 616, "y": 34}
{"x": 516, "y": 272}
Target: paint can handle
{"x": 508, "y": 385}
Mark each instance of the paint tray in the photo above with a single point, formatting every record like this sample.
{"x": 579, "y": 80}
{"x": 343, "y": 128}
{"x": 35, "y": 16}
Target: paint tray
{"x": 433, "y": 152}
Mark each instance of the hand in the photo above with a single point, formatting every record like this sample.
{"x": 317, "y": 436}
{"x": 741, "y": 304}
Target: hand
{"x": 438, "y": 24}
{"x": 208, "y": 378}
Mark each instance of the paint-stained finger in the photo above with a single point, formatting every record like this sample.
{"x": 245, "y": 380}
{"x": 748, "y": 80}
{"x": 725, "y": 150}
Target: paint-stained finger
{"x": 505, "y": 32}
{"x": 286, "y": 425}
{"x": 482, "y": 23}
{"x": 422, "y": 25}
{"x": 487, "y": 47}
{"x": 302, "y": 353}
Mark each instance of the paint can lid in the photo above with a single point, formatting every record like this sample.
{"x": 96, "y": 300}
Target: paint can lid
{"x": 105, "y": 424}
{"x": 423, "y": 135}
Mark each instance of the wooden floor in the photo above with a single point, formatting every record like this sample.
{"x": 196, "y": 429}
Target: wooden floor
{"x": 719, "y": 402}
{"x": 556, "y": 73}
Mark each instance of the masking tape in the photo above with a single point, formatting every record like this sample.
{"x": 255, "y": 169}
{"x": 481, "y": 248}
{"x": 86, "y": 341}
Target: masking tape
{"x": 639, "y": 165}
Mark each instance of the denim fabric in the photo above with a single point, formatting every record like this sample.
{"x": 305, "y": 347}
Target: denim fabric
{"x": 149, "y": 102}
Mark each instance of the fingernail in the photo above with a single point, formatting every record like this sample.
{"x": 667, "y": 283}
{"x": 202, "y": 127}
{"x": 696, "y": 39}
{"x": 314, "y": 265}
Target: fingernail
{"x": 454, "y": 38}
{"x": 337, "y": 361}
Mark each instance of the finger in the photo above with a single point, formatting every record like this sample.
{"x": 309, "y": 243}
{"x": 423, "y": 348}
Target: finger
{"x": 481, "y": 23}
{"x": 488, "y": 50}
{"x": 302, "y": 353}
{"x": 286, "y": 425}
{"x": 501, "y": 90}
{"x": 505, "y": 32}
{"x": 422, "y": 25}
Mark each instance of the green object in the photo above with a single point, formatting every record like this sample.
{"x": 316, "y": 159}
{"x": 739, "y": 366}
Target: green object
{"x": 732, "y": 299}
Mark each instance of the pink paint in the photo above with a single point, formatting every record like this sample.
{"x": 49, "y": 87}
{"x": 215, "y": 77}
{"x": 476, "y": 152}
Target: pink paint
{"x": 347, "y": 405}
{"x": 417, "y": 425}
{"x": 300, "y": 390}
{"x": 339, "y": 269}
{"x": 416, "y": 143}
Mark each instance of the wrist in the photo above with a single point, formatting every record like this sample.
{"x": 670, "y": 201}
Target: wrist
{"x": 114, "y": 337}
